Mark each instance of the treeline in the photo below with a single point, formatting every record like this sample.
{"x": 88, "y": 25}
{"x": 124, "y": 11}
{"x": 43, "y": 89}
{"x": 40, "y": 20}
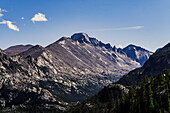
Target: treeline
{"x": 153, "y": 96}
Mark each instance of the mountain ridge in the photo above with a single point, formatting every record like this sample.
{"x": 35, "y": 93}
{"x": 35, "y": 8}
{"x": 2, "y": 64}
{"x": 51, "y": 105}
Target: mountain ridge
{"x": 14, "y": 50}
{"x": 69, "y": 70}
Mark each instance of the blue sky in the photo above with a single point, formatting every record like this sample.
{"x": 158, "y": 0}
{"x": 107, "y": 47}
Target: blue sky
{"x": 119, "y": 22}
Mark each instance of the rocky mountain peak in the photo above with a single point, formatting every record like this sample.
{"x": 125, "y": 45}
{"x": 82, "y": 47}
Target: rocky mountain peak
{"x": 137, "y": 53}
{"x": 108, "y": 46}
{"x": 114, "y": 48}
{"x": 134, "y": 47}
{"x": 81, "y": 37}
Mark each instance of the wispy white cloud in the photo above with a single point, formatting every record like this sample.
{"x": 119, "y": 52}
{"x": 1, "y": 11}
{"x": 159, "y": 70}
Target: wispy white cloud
{"x": 39, "y": 17}
{"x": 22, "y": 18}
{"x": 10, "y": 25}
{"x": 2, "y": 10}
{"x": 1, "y": 15}
{"x": 120, "y": 29}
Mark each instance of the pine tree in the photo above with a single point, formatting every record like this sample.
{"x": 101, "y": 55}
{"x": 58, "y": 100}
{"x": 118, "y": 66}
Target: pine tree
{"x": 143, "y": 96}
{"x": 167, "y": 94}
{"x": 150, "y": 100}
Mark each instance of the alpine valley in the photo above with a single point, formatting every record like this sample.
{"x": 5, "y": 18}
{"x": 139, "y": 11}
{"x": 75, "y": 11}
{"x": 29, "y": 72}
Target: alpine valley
{"x": 67, "y": 71}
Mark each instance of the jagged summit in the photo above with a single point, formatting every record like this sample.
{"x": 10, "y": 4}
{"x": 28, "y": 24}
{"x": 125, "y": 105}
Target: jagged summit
{"x": 132, "y": 47}
{"x": 137, "y": 53}
{"x": 81, "y": 37}
{"x": 114, "y": 48}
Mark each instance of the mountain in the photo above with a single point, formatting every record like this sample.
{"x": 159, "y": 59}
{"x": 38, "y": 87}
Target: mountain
{"x": 137, "y": 53}
{"x": 157, "y": 62}
{"x": 66, "y": 71}
{"x": 76, "y": 67}
{"x": 14, "y": 50}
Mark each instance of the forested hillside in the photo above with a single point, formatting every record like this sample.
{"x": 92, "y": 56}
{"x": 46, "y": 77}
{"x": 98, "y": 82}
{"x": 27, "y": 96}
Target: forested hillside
{"x": 153, "y": 96}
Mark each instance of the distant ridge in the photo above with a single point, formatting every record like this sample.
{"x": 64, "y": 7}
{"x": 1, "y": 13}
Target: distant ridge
{"x": 157, "y": 62}
{"x": 14, "y": 50}
{"x": 137, "y": 53}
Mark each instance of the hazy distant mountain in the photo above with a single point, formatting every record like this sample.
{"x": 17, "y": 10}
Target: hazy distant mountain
{"x": 157, "y": 62}
{"x": 14, "y": 50}
{"x": 70, "y": 70}
{"x": 137, "y": 53}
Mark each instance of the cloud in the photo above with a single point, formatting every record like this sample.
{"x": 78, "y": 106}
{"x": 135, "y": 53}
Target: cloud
{"x": 22, "y": 18}
{"x": 39, "y": 17}
{"x": 1, "y": 15}
{"x": 120, "y": 29}
{"x": 2, "y": 10}
{"x": 10, "y": 25}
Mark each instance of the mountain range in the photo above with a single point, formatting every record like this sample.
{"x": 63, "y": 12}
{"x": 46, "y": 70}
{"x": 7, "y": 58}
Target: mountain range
{"x": 68, "y": 70}
{"x": 151, "y": 95}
